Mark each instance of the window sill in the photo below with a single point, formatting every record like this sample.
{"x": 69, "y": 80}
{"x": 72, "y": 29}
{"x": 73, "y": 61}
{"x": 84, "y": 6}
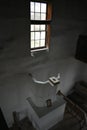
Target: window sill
{"x": 38, "y": 50}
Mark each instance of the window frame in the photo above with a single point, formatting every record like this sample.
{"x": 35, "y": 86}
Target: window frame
{"x": 46, "y": 22}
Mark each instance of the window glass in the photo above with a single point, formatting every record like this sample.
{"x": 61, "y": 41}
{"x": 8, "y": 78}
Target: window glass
{"x": 32, "y": 6}
{"x": 32, "y": 44}
{"x": 42, "y": 35}
{"x": 43, "y": 7}
{"x": 43, "y": 16}
{"x": 37, "y": 16}
{"x": 37, "y": 35}
{"x": 37, "y": 28}
{"x": 42, "y": 27}
{"x": 32, "y": 35}
{"x": 42, "y": 43}
{"x": 37, "y": 7}
{"x": 37, "y": 43}
{"x": 32, "y": 27}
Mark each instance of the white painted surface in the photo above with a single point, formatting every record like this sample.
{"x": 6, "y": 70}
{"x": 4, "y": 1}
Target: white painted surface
{"x": 48, "y": 120}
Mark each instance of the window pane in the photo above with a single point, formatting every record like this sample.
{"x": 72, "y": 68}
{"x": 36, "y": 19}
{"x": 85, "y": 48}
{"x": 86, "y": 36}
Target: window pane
{"x": 37, "y": 35}
{"x": 37, "y": 16}
{"x": 42, "y": 27}
{"x": 32, "y": 6}
{"x": 42, "y": 35}
{"x": 37, "y": 27}
{"x": 37, "y": 43}
{"x": 32, "y": 16}
{"x": 32, "y": 35}
{"x": 37, "y": 7}
{"x": 32, "y": 44}
{"x": 32, "y": 27}
{"x": 42, "y": 43}
{"x": 43, "y": 7}
{"x": 43, "y": 16}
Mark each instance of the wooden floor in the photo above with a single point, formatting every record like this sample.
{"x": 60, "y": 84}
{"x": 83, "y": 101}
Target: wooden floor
{"x": 24, "y": 124}
{"x": 68, "y": 123}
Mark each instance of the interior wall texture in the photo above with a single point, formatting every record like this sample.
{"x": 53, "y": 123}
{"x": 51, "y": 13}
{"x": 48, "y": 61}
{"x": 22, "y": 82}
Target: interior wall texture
{"x": 69, "y": 19}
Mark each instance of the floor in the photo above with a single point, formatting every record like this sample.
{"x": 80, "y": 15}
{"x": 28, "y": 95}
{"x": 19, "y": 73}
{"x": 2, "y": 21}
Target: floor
{"x": 68, "y": 123}
{"x": 24, "y": 124}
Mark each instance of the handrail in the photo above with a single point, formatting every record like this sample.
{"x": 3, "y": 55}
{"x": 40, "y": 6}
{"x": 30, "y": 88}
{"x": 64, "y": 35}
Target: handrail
{"x": 47, "y": 81}
{"x": 74, "y": 105}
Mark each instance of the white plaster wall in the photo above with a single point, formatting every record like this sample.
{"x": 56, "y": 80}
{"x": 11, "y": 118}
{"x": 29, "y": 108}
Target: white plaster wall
{"x": 15, "y": 60}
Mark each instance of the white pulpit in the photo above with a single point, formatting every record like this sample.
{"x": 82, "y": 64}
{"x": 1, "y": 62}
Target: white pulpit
{"x": 45, "y": 117}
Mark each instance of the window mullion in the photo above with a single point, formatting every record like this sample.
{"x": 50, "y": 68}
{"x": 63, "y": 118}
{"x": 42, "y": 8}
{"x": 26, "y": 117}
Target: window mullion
{"x": 40, "y": 22}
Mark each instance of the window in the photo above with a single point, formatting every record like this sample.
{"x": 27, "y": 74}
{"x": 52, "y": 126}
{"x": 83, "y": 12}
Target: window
{"x": 40, "y": 18}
